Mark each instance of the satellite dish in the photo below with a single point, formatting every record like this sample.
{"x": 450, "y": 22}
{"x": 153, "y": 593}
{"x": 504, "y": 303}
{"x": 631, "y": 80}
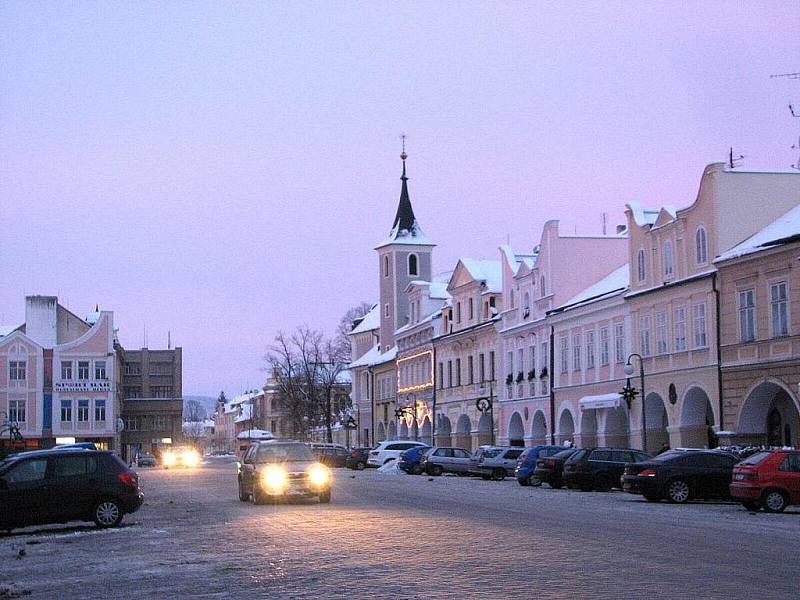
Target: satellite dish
{"x": 120, "y": 425}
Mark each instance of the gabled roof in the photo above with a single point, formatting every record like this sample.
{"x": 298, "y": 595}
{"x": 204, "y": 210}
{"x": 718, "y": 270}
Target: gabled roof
{"x": 487, "y": 271}
{"x": 369, "y": 322}
{"x": 783, "y": 230}
{"x": 374, "y": 357}
{"x": 643, "y": 216}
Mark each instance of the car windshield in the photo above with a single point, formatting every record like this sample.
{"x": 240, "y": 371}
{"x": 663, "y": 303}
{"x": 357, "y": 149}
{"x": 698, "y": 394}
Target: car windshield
{"x": 577, "y": 456}
{"x": 668, "y": 455}
{"x": 6, "y": 462}
{"x": 490, "y": 452}
{"x": 283, "y": 453}
{"x": 564, "y": 453}
{"x": 755, "y": 459}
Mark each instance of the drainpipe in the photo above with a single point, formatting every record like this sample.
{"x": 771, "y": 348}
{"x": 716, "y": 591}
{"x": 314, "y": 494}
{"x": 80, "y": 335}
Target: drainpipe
{"x": 433, "y": 421}
{"x": 551, "y": 373}
{"x": 719, "y": 349}
{"x": 371, "y": 390}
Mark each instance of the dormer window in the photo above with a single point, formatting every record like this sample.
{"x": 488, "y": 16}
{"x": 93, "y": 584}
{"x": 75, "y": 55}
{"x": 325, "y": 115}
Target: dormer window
{"x": 413, "y": 264}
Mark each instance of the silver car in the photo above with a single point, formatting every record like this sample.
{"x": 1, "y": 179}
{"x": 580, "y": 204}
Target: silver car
{"x": 495, "y": 462}
{"x": 444, "y": 459}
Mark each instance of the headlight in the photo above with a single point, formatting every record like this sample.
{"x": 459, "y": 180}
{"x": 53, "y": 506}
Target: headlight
{"x": 274, "y": 477}
{"x": 319, "y": 475}
{"x": 169, "y": 459}
{"x": 190, "y": 458}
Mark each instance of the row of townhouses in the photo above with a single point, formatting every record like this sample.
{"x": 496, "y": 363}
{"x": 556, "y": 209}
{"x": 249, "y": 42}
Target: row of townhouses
{"x": 698, "y": 306}
{"x": 66, "y": 379}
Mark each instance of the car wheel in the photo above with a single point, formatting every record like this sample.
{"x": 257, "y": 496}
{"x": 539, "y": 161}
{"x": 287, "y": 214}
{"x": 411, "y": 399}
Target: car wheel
{"x": 678, "y": 491}
{"x": 751, "y": 505}
{"x": 360, "y": 466}
{"x": 556, "y": 485}
{"x": 107, "y": 513}
{"x": 436, "y": 470}
{"x": 523, "y": 482}
{"x": 603, "y": 482}
{"x": 243, "y": 496}
{"x": 416, "y": 470}
{"x": 325, "y": 497}
{"x": 534, "y": 481}
{"x": 775, "y": 501}
{"x": 499, "y": 474}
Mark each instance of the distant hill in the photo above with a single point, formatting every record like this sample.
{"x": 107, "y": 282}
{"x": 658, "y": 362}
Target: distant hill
{"x": 207, "y": 402}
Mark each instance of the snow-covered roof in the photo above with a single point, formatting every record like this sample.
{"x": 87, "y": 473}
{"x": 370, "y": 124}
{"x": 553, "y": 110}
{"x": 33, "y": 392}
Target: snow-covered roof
{"x": 414, "y": 236}
{"x": 344, "y": 377}
{"x": 6, "y": 329}
{"x": 616, "y": 281}
{"x": 408, "y": 326}
{"x": 255, "y": 434}
{"x": 643, "y": 216}
{"x": 782, "y": 230}
{"x": 247, "y": 397}
{"x": 489, "y": 271}
{"x": 374, "y": 357}
{"x": 93, "y": 317}
{"x": 370, "y": 322}
{"x": 246, "y": 414}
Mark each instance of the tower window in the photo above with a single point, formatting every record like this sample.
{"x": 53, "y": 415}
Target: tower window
{"x": 386, "y": 266}
{"x": 413, "y": 266}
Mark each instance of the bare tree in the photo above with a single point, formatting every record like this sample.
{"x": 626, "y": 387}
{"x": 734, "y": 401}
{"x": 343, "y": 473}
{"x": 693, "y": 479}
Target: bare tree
{"x": 194, "y": 432}
{"x": 193, "y": 410}
{"x": 341, "y": 341}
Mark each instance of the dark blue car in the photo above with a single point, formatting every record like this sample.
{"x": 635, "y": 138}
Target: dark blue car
{"x": 411, "y": 460}
{"x": 527, "y": 462}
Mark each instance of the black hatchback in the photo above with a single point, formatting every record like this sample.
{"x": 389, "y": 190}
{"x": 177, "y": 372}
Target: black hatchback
{"x": 550, "y": 469}
{"x": 56, "y": 486}
{"x": 599, "y": 468}
{"x": 680, "y": 475}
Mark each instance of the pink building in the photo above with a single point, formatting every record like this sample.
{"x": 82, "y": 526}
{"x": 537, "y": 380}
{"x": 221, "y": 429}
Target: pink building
{"x": 59, "y": 376}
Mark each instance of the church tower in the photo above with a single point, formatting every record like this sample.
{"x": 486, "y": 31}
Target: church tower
{"x": 404, "y": 256}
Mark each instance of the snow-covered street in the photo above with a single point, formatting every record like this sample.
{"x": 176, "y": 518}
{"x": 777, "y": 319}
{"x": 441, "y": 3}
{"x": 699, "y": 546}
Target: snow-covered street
{"x": 398, "y": 536}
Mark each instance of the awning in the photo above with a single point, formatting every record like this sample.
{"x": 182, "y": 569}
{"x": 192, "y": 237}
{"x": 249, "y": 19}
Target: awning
{"x": 602, "y": 401}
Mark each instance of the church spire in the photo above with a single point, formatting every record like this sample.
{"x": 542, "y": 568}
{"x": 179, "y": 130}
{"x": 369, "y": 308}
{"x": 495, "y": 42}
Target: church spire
{"x": 404, "y": 219}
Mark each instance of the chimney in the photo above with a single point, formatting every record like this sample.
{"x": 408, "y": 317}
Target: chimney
{"x": 41, "y": 324}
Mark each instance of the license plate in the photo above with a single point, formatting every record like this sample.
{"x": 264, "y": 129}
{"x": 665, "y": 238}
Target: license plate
{"x": 739, "y": 477}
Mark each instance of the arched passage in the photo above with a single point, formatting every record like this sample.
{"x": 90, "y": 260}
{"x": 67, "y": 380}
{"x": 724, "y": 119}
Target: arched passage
{"x": 697, "y": 420}
{"x": 392, "y": 433}
{"x": 566, "y": 427}
{"x": 539, "y": 429}
{"x": 381, "y": 435}
{"x": 769, "y": 416}
{"x": 484, "y": 429}
{"x": 516, "y": 431}
{"x": 615, "y": 427}
{"x": 588, "y": 435}
{"x": 443, "y": 431}
{"x": 463, "y": 435}
{"x": 657, "y": 423}
{"x": 425, "y": 431}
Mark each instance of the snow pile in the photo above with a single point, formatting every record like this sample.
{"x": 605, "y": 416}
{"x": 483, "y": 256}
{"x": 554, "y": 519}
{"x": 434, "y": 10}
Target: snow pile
{"x": 391, "y": 468}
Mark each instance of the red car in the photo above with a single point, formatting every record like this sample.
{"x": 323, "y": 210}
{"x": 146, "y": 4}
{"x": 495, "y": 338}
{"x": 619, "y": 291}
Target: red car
{"x": 768, "y": 480}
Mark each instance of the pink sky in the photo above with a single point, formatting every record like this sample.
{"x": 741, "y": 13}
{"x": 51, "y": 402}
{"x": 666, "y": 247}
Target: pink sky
{"x": 224, "y": 171}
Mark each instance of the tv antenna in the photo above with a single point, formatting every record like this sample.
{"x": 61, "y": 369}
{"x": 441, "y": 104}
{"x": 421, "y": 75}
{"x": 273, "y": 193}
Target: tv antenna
{"x": 732, "y": 161}
{"x": 796, "y": 115}
{"x": 786, "y": 76}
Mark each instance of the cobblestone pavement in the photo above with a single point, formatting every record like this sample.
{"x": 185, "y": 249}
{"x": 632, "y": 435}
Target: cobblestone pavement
{"x": 397, "y": 536}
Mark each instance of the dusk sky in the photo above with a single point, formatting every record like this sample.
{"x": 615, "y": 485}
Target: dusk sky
{"x": 224, "y": 170}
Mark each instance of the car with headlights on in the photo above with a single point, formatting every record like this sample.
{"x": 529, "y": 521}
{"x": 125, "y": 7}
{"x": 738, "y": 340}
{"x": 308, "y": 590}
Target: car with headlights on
{"x": 275, "y": 469}
{"x": 180, "y": 456}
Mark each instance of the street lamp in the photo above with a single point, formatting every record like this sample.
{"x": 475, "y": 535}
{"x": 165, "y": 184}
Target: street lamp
{"x": 408, "y": 410}
{"x": 629, "y": 393}
{"x": 486, "y": 405}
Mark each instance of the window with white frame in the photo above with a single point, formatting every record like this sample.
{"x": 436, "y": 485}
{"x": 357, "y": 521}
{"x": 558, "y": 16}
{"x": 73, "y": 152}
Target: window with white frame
{"x": 17, "y": 370}
{"x": 16, "y": 411}
{"x": 83, "y": 369}
{"x": 83, "y": 411}
{"x": 699, "y": 319}
{"x": 644, "y": 335}
{"x": 590, "y": 349}
{"x": 661, "y": 333}
{"x": 640, "y": 266}
{"x": 604, "y": 346}
{"x": 679, "y": 317}
{"x": 779, "y": 306}
{"x": 100, "y": 369}
{"x": 99, "y": 410}
{"x": 669, "y": 259}
{"x": 532, "y": 359}
{"x": 747, "y": 315}
{"x": 564, "y": 355}
{"x": 520, "y": 360}
{"x": 66, "y": 411}
{"x": 66, "y": 369}
{"x": 576, "y": 352}
{"x": 700, "y": 246}
{"x": 619, "y": 342}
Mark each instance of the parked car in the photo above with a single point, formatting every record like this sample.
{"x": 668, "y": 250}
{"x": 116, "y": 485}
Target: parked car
{"x": 599, "y": 468}
{"x": 275, "y": 469}
{"x": 495, "y": 462}
{"x": 357, "y": 459}
{"x": 680, "y": 475}
{"x": 388, "y": 451}
{"x": 331, "y": 455}
{"x": 410, "y": 460}
{"x": 768, "y": 480}
{"x": 146, "y": 460}
{"x": 526, "y": 463}
{"x": 445, "y": 459}
{"x": 57, "y": 486}
{"x": 550, "y": 470}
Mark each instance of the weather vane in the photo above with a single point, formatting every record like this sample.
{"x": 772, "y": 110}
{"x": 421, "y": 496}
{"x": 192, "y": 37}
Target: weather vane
{"x": 403, "y": 155}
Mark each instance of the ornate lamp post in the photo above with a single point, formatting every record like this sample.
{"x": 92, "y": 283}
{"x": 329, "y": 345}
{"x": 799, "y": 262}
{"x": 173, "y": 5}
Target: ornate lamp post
{"x": 401, "y": 411}
{"x": 486, "y": 405}
{"x": 630, "y": 393}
